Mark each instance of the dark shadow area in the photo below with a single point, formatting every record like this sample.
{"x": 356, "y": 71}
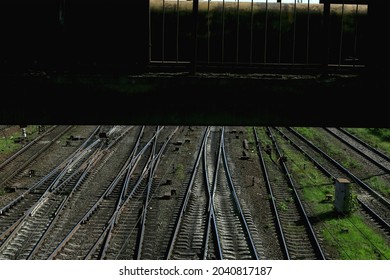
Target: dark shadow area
{"x": 331, "y": 215}
{"x": 88, "y": 64}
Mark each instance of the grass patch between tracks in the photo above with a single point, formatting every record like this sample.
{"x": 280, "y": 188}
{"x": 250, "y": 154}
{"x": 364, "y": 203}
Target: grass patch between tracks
{"x": 7, "y": 144}
{"x": 350, "y": 236}
{"x": 8, "y": 140}
{"x": 378, "y": 138}
{"x": 9, "y": 137}
{"x": 344, "y": 158}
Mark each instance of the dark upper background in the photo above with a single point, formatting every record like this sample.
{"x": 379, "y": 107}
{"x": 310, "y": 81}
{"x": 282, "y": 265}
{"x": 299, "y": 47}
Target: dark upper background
{"x": 105, "y": 42}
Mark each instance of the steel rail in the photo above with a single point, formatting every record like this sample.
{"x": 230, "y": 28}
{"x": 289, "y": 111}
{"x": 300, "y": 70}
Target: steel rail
{"x": 129, "y": 167}
{"x": 187, "y": 197}
{"x": 31, "y": 159}
{"x": 327, "y": 173}
{"x": 274, "y": 208}
{"x": 61, "y": 207}
{"x": 316, "y": 245}
{"x": 30, "y": 212}
{"x": 107, "y": 231}
{"x": 361, "y": 142}
{"x": 357, "y": 150}
{"x": 65, "y": 163}
{"x": 20, "y": 151}
{"x": 130, "y": 163}
{"x": 338, "y": 165}
{"x": 251, "y": 244}
{"x": 147, "y": 198}
{"x": 123, "y": 200}
{"x": 88, "y": 213}
{"x": 373, "y": 214}
{"x": 211, "y": 219}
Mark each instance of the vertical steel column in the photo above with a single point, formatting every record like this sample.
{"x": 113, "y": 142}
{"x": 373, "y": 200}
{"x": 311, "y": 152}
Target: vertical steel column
{"x": 223, "y": 32}
{"x": 177, "y": 30}
{"x": 238, "y": 30}
{"x": 208, "y": 31}
{"x": 308, "y": 32}
{"x": 280, "y": 31}
{"x": 251, "y": 36}
{"x": 195, "y": 14}
{"x": 163, "y": 34}
{"x": 341, "y": 34}
{"x": 149, "y": 34}
{"x": 326, "y": 31}
{"x": 265, "y": 31}
{"x": 356, "y": 34}
{"x": 294, "y": 31}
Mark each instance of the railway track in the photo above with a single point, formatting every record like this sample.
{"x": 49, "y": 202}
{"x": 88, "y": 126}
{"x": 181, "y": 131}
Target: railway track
{"x": 211, "y": 223}
{"x": 22, "y": 208}
{"x": 85, "y": 203}
{"x": 297, "y": 235}
{"x": 16, "y": 165}
{"x": 372, "y": 154}
{"x": 52, "y": 193}
{"x": 128, "y": 194}
{"x": 123, "y": 238}
{"x": 372, "y": 163}
{"x": 370, "y": 201}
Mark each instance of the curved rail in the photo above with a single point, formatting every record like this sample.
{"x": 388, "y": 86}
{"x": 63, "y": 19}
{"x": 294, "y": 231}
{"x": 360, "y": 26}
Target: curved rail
{"x": 45, "y": 201}
{"x": 251, "y": 244}
{"x": 211, "y": 219}
{"x": 119, "y": 200}
{"x": 79, "y": 165}
{"x": 183, "y": 206}
{"x": 212, "y": 209}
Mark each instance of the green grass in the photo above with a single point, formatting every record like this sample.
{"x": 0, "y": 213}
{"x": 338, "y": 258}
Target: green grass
{"x": 264, "y": 141}
{"x": 307, "y": 132}
{"x": 282, "y": 206}
{"x": 7, "y": 144}
{"x": 360, "y": 242}
{"x": 343, "y": 157}
{"x": 252, "y": 153}
{"x": 381, "y": 133}
{"x": 377, "y": 137}
{"x": 180, "y": 172}
{"x": 379, "y": 185}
